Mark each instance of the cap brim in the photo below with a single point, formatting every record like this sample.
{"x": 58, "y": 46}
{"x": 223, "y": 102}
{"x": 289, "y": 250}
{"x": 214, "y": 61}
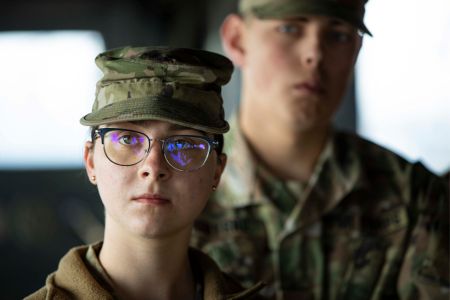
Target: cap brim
{"x": 281, "y": 11}
{"x": 155, "y": 108}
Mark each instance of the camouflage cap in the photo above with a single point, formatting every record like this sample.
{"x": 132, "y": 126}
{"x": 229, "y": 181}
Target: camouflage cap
{"x": 351, "y": 11}
{"x": 178, "y": 85}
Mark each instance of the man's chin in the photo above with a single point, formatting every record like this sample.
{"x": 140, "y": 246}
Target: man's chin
{"x": 305, "y": 122}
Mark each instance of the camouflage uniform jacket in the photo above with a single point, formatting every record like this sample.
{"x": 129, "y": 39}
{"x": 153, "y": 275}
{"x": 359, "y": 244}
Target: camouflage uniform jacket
{"x": 81, "y": 276}
{"x": 367, "y": 225}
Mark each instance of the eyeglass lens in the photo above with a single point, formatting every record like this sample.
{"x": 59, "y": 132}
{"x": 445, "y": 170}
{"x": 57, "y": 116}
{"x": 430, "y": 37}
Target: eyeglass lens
{"x": 184, "y": 153}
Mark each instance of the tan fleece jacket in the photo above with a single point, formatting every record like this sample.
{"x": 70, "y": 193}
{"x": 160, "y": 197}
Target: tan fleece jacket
{"x": 74, "y": 280}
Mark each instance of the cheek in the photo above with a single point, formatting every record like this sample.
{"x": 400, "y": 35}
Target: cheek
{"x": 195, "y": 190}
{"x": 109, "y": 187}
{"x": 111, "y": 179}
{"x": 200, "y": 187}
{"x": 339, "y": 71}
{"x": 268, "y": 64}
{"x": 341, "y": 63}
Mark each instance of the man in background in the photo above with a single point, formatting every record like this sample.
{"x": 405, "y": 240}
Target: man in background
{"x": 314, "y": 212}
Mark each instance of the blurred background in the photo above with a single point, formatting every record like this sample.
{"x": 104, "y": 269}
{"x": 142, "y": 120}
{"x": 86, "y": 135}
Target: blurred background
{"x": 399, "y": 98}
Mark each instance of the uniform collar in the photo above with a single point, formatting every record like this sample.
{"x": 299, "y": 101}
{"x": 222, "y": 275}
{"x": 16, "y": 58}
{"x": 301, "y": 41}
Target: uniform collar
{"x": 80, "y": 273}
{"x": 337, "y": 173}
{"x": 217, "y": 285}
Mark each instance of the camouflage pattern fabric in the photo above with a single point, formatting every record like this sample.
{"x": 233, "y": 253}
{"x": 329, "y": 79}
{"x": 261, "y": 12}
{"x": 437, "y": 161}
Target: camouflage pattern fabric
{"x": 177, "y": 85}
{"x": 368, "y": 225}
{"x": 351, "y": 11}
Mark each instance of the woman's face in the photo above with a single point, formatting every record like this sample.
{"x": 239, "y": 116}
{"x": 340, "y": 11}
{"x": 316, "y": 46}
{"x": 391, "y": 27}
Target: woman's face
{"x": 151, "y": 199}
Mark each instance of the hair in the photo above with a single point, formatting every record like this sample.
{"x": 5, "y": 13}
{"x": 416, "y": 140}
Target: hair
{"x": 219, "y": 138}
{"x": 93, "y": 129}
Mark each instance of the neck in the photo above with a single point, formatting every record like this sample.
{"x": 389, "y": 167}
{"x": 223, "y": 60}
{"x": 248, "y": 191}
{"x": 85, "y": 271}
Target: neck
{"x": 143, "y": 268}
{"x": 290, "y": 153}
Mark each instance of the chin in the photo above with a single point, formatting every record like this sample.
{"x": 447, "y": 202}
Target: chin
{"x": 159, "y": 231}
{"x": 300, "y": 120}
{"x": 308, "y": 124}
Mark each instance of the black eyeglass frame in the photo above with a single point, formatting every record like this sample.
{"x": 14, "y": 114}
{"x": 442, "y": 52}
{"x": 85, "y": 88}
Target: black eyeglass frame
{"x": 101, "y": 132}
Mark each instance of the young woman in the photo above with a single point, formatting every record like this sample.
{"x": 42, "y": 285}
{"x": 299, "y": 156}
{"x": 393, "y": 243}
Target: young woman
{"x": 155, "y": 156}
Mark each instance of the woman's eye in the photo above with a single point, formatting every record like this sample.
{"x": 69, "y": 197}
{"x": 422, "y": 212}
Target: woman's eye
{"x": 183, "y": 144}
{"x": 128, "y": 140}
{"x": 288, "y": 28}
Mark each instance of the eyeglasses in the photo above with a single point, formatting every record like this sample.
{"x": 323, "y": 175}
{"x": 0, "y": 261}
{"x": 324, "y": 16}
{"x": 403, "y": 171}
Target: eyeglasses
{"x": 126, "y": 147}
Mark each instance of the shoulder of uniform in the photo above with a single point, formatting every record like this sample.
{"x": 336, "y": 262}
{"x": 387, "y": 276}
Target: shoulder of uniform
{"x": 49, "y": 291}
{"x": 364, "y": 148}
{"x": 372, "y": 157}
{"x": 39, "y": 294}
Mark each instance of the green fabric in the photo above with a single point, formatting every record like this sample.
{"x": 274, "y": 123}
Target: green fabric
{"x": 81, "y": 276}
{"x": 179, "y": 85}
{"x": 351, "y": 11}
{"x": 368, "y": 225}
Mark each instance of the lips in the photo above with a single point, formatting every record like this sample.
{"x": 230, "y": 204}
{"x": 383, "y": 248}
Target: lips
{"x": 314, "y": 87}
{"x": 154, "y": 199}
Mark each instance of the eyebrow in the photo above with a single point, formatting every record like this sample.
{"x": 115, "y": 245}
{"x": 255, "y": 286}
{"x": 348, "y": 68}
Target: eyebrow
{"x": 338, "y": 22}
{"x": 331, "y": 20}
{"x": 302, "y": 19}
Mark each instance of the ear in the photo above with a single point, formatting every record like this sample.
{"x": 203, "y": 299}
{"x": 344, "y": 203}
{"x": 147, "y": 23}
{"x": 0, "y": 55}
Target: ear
{"x": 88, "y": 158}
{"x": 231, "y": 32}
{"x": 221, "y": 163}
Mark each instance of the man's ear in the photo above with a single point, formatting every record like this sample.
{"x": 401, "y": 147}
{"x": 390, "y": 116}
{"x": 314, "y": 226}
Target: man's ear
{"x": 88, "y": 157}
{"x": 231, "y": 32}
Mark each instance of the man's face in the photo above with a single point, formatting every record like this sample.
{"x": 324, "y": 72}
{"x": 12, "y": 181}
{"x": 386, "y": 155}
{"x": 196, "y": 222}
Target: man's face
{"x": 297, "y": 70}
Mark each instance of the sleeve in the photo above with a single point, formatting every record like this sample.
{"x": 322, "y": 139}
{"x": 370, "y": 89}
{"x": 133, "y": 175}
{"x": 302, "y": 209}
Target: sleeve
{"x": 425, "y": 270}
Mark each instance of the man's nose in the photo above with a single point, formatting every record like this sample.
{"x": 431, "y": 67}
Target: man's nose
{"x": 311, "y": 50}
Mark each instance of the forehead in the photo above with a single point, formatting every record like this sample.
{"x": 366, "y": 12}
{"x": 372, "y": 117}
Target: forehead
{"x": 154, "y": 125}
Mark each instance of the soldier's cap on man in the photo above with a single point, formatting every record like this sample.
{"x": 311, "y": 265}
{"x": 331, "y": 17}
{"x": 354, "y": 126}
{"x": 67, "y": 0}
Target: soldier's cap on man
{"x": 351, "y": 11}
{"x": 177, "y": 85}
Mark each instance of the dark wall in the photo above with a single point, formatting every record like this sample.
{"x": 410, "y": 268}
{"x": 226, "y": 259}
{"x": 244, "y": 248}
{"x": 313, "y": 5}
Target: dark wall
{"x": 134, "y": 22}
{"x": 42, "y": 215}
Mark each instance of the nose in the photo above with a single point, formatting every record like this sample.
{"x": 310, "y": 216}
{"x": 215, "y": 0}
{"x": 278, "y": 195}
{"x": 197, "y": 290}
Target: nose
{"x": 311, "y": 50}
{"x": 154, "y": 166}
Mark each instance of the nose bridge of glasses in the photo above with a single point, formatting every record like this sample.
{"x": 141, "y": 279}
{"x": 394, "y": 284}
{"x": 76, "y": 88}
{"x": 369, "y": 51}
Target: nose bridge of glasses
{"x": 151, "y": 142}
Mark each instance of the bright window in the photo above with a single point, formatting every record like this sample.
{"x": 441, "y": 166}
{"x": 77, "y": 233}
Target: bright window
{"x": 48, "y": 82}
{"x": 403, "y": 79}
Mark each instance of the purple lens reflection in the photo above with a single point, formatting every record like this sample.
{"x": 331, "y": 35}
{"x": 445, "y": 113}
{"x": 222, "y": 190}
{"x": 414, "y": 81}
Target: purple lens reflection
{"x": 186, "y": 152}
{"x": 114, "y": 137}
{"x": 180, "y": 158}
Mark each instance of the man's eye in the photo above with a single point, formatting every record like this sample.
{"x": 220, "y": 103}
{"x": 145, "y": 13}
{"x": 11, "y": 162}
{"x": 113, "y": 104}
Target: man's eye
{"x": 288, "y": 28}
{"x": 339, "y": 37}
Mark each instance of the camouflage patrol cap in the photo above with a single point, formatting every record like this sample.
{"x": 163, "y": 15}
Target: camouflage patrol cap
{"x": 178, "y": 85}
{"x": 351, "y": 11}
